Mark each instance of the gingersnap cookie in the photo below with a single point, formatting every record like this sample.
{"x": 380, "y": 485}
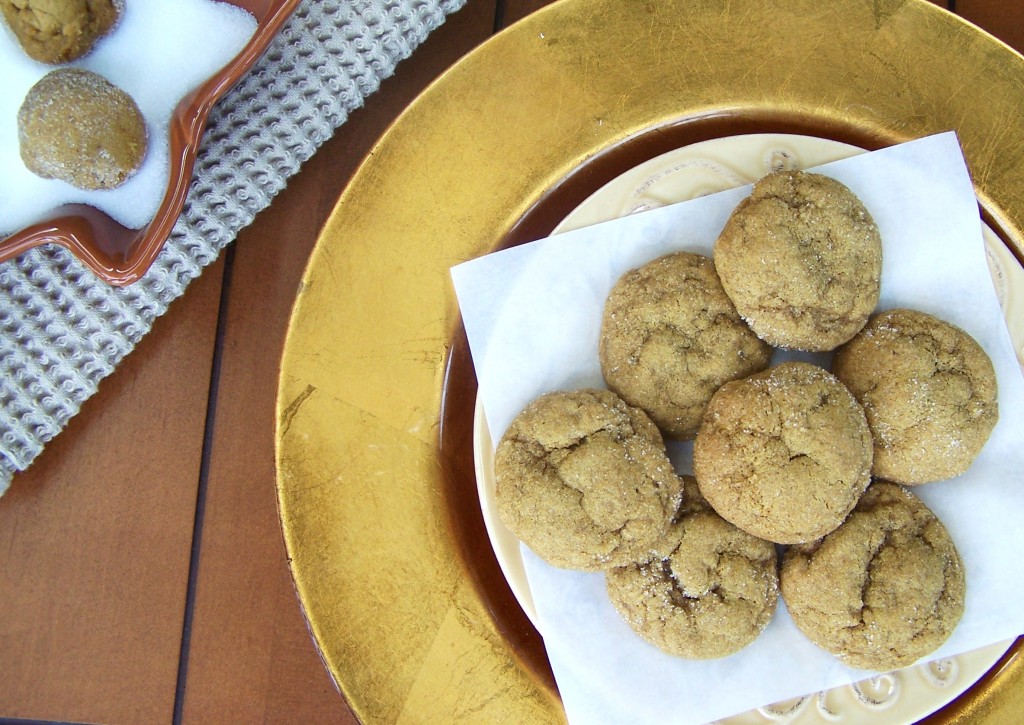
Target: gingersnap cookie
{"x": 801, "y": 258}
{"x": 929, "y": 392}
{"x": 709, "y": 591}
{"x": 583, "y": 479}
{"x": 884, "y": 589}
{"x": 670, "y": 337}
{"x": 784, "y": 454}
{"x": 76, "y": 126}
{"x": 58, "y": 31}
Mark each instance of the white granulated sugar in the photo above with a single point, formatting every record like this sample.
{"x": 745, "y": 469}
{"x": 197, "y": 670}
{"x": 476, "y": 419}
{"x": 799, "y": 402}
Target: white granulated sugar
{"x": 158, "y": 53}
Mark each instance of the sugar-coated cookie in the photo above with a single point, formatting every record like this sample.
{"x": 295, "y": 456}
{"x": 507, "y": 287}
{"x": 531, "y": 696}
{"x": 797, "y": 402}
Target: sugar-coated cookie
{"x": 708, "y": 592}
{"x": 801, "y": 259}
{"x": 670, "y": 337}
{"x": 583, "y": 480}
{"x": 929, "y": 392}
{"x": 76, "y": 126}
{"x": 884, "y": 589}
{"x": 58, "y": 31}
{"x": 784, "y": 454}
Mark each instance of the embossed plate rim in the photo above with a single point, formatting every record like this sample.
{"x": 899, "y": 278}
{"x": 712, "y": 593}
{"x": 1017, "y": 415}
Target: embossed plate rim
{"x": 646, "y": 180}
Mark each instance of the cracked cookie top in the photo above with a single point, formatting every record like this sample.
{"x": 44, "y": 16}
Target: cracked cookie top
{"x": 708, "y": 592}
{"x": 583, "y": 479}
{"x": 670, "y": 336}
{"x": 801, "y": 258}
{"x": 784, "y": 454}
{"x": 929, "y": 392}
{"x": 884, "y": 589}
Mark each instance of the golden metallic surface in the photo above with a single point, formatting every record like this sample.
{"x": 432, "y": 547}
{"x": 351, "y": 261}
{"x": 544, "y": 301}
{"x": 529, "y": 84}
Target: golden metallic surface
{"x": 396, "y": 610}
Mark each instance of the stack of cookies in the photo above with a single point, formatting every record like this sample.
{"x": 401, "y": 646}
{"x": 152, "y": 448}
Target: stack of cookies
{"x": 800, "y": 473}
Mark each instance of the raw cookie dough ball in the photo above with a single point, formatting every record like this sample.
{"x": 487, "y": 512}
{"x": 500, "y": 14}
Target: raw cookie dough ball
{"x": 58, "y": 31}
{"x": 802, "y": 259}
{"x": 76, "y": 126}
{"x": 670, "y": 337}
{"x": 884, "y": 589}
{"x": 583, "y": 479}
{"x": 784, "y": 454}
{"x": 929, "y": 392}
{"x": 708, "y": 592}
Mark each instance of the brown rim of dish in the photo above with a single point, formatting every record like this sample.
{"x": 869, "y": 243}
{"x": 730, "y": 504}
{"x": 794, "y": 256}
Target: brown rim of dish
{"x": 115, "y": 253}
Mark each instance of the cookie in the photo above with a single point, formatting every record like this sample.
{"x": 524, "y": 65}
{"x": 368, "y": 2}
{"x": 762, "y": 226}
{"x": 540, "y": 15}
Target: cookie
{"x": 801, "y": 258}
{"x": 784, "y": 454}
{"x": 929, "y": 392}
{"x": 670, "y": 337}
{"x": 583, "y": 479}
{"x": 76, "y": 126}
{"x": 884, "y": 589}
{"x": 58, "y": 31}
{"x": 709, "y": 591}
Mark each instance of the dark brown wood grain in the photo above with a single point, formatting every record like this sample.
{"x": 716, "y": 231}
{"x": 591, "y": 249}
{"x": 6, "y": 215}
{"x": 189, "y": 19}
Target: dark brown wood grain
{"x": 1002, "y": 18}
{"x": 96, "y": 539}
{"x": 95, "y": 536}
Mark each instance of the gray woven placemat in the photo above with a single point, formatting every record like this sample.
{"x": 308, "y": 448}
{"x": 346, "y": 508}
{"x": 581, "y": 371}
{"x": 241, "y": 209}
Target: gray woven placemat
{"x": 62, "y": 331}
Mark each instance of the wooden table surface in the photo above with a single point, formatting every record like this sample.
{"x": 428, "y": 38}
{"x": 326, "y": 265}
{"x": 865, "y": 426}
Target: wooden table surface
{"x": 144, "y": 577}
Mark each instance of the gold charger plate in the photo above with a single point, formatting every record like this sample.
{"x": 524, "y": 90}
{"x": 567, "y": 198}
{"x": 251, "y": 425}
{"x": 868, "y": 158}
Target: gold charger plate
{"x": 377, "y": 496}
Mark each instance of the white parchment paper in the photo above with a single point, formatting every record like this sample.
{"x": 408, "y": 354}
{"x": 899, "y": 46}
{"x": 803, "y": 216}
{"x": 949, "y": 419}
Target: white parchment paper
{"x": 532, "y": 314}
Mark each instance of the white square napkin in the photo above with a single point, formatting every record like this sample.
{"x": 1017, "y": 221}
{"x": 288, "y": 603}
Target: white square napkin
{"x": 533, "y": 313}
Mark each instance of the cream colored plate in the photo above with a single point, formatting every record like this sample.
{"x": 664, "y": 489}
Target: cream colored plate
{"x": 705, "y": 168}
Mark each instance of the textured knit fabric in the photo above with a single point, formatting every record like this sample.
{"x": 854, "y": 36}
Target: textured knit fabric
{"x": 62, "y": 330}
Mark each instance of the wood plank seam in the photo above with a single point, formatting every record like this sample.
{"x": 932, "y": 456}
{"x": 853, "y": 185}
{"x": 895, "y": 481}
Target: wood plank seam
{"x": 499, "y": 16}
{"x": 204, "y": 471}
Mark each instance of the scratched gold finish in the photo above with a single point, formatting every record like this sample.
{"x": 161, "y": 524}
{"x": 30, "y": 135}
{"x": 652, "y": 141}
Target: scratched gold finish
{"x": 399, "y": 616}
